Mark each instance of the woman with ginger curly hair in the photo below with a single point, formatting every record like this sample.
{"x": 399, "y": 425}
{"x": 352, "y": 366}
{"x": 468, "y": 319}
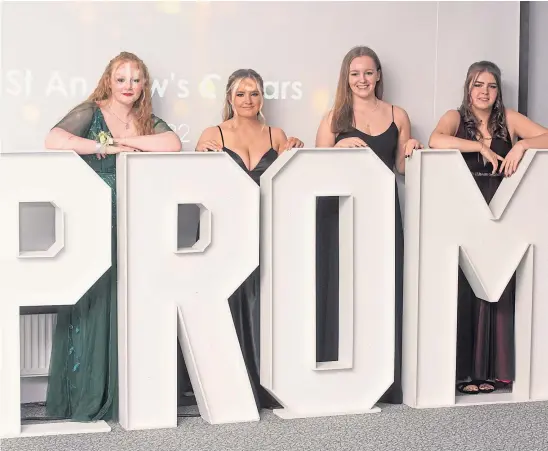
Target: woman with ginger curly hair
{"x": 117, "y": 117}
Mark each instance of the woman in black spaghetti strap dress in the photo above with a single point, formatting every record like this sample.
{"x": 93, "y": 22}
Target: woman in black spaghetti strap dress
{"x": 484, "y": 130}
{"x": 364, "y": 121}
{"x": 254, "y": 147}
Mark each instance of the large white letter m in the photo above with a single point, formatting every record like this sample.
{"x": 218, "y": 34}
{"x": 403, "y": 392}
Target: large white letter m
{"x": 448, "y": 223}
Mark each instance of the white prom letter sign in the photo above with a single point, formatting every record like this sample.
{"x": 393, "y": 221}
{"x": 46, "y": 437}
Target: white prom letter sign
{"x": 58, "y": 275}
{"x": 448, "y": 223}
{"x": 365, "y": 369}
{"x": 160, "y": 280}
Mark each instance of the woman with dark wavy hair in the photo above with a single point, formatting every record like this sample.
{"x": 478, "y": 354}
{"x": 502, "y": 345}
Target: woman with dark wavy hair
{"x": 486, "y": 133}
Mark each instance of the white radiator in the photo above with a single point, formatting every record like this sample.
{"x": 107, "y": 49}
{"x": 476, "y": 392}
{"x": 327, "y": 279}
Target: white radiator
{"x": 36, "y": 333}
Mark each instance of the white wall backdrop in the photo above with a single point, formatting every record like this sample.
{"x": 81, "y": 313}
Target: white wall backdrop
{"x": 53, "y": 53}
{"x": 192, "y": 47}
{"x": 538, "y": 63}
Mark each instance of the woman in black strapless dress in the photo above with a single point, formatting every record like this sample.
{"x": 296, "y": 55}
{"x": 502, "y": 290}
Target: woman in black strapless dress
{"x": 245, "y": 138}
{"x": 484, "y": 130}
{"x": 359, "y": 118}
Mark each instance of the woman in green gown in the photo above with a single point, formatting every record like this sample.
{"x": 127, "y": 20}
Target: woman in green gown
{"x": 117, "y": 117}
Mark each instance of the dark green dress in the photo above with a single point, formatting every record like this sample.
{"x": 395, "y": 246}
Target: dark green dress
{"x": 83, "y": 378}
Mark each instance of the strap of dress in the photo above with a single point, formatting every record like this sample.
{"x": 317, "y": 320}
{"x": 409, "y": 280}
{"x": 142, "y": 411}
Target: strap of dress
{"x": 270, "y": 133}
{"x": 392, "y": 113}
{"x": 460, "y": 127}
{"x": 222, "y": 137}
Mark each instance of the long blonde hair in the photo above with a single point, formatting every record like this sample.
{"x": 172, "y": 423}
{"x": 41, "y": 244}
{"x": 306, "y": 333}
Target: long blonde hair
{"x": 142, "y": 108}
{"x": 343, "y": 110}
{"x": 233, "y": 82}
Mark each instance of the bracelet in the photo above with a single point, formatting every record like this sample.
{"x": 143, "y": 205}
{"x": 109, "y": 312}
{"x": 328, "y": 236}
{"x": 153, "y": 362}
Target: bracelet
{"x": 101, "y": 148}
{"x": 103, "y": 142}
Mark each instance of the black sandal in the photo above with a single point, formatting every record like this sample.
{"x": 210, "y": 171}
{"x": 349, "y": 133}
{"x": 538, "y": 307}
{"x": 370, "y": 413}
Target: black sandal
{"x": 486, "y": 390}
{"x": 461, "y": 387}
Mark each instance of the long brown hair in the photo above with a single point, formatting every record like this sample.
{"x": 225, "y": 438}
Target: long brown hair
{"x": 343, "y": 110}
{"x": 497, "y": 119}
{"x": 231, "y": 86}
{"x": 142, "y": 108}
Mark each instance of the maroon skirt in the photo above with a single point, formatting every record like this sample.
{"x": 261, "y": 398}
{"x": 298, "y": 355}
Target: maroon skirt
{"x": 485, "y": 330}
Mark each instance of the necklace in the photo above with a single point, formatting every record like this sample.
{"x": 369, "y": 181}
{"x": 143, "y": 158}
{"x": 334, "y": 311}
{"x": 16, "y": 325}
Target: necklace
{"x": 368, "y": 123}
{"x": 123, "y": 122}
{"x": 376, "y": 105}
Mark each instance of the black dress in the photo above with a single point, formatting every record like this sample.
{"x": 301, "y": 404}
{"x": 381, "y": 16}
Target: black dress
{"x": 385, "y": 146}
{"x": 244, "y": 306}
{"x": 485, "y": 330}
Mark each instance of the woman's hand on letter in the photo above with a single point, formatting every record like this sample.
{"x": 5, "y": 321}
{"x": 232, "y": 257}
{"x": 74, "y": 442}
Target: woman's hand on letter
{"x": 350, "y": 143}
{"x": 210, "y": 145}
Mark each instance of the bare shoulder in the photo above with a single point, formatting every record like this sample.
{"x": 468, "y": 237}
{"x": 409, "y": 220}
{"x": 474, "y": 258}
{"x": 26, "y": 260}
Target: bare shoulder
{"x": 520, "y": 125}
{"x": 210, "y": 133}
{"x": 326, "y": 122}
{"x": 451, "y": 115}
{"x": 278, "y": 135}
{"x": 512, "y": 114}
{"x": 328, "y": 117}
{"x": 512, "y": 117}
{"x": 400, "y": 115}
